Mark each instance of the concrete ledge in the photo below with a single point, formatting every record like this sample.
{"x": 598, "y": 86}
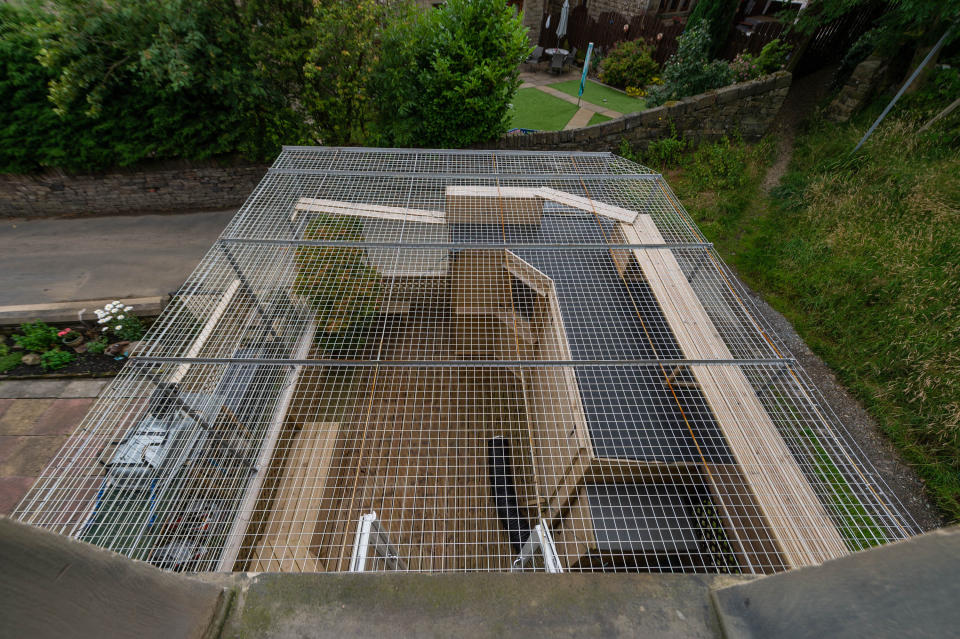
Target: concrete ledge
{"x": 54, "y": 586}
{"x": 906, "y": 589}
{"x": 471, "y": 605}
{"x": 67, "y": 311}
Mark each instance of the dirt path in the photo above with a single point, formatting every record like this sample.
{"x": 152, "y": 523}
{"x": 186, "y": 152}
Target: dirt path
{"x": 805, "y": 93}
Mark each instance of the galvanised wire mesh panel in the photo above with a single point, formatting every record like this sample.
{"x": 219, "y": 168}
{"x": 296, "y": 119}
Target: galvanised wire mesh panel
{"x": 464, "y": 361}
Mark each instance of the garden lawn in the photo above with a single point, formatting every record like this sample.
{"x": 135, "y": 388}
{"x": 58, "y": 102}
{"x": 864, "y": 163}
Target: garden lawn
{"x": 598, "y": 118}
{"x": 534, "y": 109}
{"x": 600, "y": 95}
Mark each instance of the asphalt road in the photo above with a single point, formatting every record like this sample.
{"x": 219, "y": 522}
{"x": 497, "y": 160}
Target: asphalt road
{"x": 60, "y": 260}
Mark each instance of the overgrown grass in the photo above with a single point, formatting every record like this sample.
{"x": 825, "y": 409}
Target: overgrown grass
{"x": 862, "y": 254}
{"x": 601, "y": 95}
{"x": 534, "y": 109}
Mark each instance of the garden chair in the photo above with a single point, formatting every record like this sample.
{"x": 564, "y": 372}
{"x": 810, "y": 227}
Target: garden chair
{"x": 571, "y": 58}
{"x": 556, "y": 63}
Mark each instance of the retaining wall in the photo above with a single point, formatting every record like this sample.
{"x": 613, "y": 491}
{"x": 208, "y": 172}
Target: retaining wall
{"x": 749, "y": 108}
{"x": 143, "y": 190}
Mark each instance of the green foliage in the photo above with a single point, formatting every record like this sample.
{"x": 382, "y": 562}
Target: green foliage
{"x": 667, "y": 151}
{"x": 340, "y": 63}
{"x": 446, "y": 77}
{"x": 719, "y": 166}
{"x": 342, "y": 289}
{"x": 8, "y": 360}
{"x": 629, "y": 63}
{"x": 130, "y": 81}
{"x": 54, "y": 359}
{"x": 97, "y": 346}
{"x": 37, "y": 337}
{"x": 690, "y": 71}
{"x": 771, "y": 58}
{"x": 718, "y": 18}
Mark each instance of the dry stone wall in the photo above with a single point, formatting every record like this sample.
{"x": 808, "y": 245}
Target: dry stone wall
{"x": 749, "y": 108}
{"x": 147, "y": 190}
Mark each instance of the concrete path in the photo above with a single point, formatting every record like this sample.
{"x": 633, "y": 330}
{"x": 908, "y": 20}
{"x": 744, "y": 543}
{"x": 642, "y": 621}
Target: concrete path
{"x": 583, "y": 103}
{"x": 580, "y": 119}
{"x": 57, "y": 260}
{"x": 36, "y": 418}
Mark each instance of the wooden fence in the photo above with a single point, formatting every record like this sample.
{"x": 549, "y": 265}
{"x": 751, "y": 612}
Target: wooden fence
{"x": 827, "y": 43}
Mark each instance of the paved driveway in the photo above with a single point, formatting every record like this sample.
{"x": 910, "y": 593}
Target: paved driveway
{"x": 59, "y": 260}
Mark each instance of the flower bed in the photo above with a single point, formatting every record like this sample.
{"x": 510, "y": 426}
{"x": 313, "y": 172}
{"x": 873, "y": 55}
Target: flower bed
{"x": 38, "y": 349}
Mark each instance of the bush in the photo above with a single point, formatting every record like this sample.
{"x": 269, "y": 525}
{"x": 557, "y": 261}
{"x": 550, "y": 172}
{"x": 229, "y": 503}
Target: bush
{"x": 97, "y": 346}
{"x": 690, "y": 71}
{"x": 720, "y": 166}
{"x": 52, "y": 360}
{"x": 118, "y": 319}
{"x": 717, "y": 17}
{"x": 8, "y": 360}
{"x": 36, "y": 336}
{"x": 629, "y": 64}
{"x": 666, "y": 151}
{"x": 447, "y": 77}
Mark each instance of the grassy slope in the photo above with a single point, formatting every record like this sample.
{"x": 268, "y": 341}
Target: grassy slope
{"x": 863, "y": 256}
{"x": 601, "y": 95}
{"x": 534, "y": 109}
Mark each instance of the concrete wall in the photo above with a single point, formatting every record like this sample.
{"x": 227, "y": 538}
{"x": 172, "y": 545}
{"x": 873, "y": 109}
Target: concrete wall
{"x": 749, "y": 108}
{"x": 181, "y": 188}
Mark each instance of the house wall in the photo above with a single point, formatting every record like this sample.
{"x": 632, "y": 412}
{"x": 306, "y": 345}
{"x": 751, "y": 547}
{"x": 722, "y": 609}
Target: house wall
{"x": 749, "y": 108}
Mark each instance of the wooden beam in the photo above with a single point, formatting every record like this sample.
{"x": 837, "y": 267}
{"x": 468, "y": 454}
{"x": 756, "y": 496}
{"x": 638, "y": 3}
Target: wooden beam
{"x": 296, "y": 507}
{"x": 589, "y": 205}
{"x": 375, "y": 211}
{"x": 798, "y": 522}
{"x": 223, "y": 304}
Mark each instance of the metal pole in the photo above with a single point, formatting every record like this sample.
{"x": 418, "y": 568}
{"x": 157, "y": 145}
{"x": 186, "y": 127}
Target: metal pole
{"x": 913, "y": 76}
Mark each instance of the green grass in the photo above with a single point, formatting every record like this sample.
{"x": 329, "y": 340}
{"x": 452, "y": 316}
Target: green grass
{"x": 601, "y": 95}
{"x": 534, "y": 109}
{"x": 598, "y": 118}
{"x": 862, "y": 254}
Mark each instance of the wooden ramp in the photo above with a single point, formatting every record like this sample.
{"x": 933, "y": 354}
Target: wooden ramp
{"x": 800, "y": 526}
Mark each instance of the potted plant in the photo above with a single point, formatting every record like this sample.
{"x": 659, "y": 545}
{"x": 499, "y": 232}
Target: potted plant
{"x": 70, "y": 337}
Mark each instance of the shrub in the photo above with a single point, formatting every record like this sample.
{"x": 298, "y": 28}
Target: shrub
{"x": 666, "y": 151}
{"x": 8, "y": 360}
{"x": 773, "y": 56}
{"x": 36, "y": 336}
{"x": 447, "y": 77}
{"x": 97, "y": 346}
{"x": 54, "y": 359}
{"x": 717, "y": 17}
{"x": 690, "y": 71}
{"x": 629, "y": 64}
{"x": 720, "y": 166}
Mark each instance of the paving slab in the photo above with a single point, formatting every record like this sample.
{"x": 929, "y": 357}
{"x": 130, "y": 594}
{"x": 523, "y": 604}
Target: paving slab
{"x": 32, "y": 388}
{"x": 12, "y": 490}
{"x": 906, "y": 589}
{"x": 20, "y": 417}
{"x": 62, "y": 417}
{"x": 85, "y": 388}
{"x": 27, "y": 456}
{"x": 580, "y": 119}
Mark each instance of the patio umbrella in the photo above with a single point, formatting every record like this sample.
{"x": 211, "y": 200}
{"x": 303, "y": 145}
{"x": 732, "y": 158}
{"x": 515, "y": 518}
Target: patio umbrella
{"x": 564, "y": 17}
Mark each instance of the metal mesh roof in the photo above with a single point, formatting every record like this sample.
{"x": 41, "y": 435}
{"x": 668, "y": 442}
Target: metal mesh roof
{"x": 464, "y": 361}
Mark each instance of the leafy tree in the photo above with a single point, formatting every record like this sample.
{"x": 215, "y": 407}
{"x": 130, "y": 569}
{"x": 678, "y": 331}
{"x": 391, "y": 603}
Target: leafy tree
{"x": 718, "y": 15}
{"x": 690, "y": 71}
{"x": 446, "y": 77}
{"x": 339, "y": 63}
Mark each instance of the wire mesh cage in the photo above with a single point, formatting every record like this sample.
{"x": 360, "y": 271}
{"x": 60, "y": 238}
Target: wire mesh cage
{"x": 464, "y": 361}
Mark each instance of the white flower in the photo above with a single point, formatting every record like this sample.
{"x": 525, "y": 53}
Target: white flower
{"x": 117, "y": 327}
{"x": 120, "y": 316}
{"x": 102, "y": 320}
{"x": 104, "y": 329}
{"x": 128, "y": 308}
{"x": 116, "y": 302}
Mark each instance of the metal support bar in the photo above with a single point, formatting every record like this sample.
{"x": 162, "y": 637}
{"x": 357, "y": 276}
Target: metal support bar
{"x": 370, "y": 532}
{"x": 540, "y": 540}
{"x": 249, "y": 289}
{"x": 460, "y": 363}
{"x": 462, "y": 245}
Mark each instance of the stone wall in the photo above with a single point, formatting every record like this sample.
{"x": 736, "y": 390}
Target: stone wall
{"x": 185, "y": 187}
{"x": 858, "y": 89}
{"x": 749, "y": 108}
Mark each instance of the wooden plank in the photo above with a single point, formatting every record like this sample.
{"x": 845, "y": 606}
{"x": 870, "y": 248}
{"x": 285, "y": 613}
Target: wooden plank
{"x": 296, "y": 508}
{"x": 376, "y": 211}
{"x": 797, "y": 520}
{"x": 493, "y": 205}
{"x": 206, "y": 331}
{"x": 589, "y": 205}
